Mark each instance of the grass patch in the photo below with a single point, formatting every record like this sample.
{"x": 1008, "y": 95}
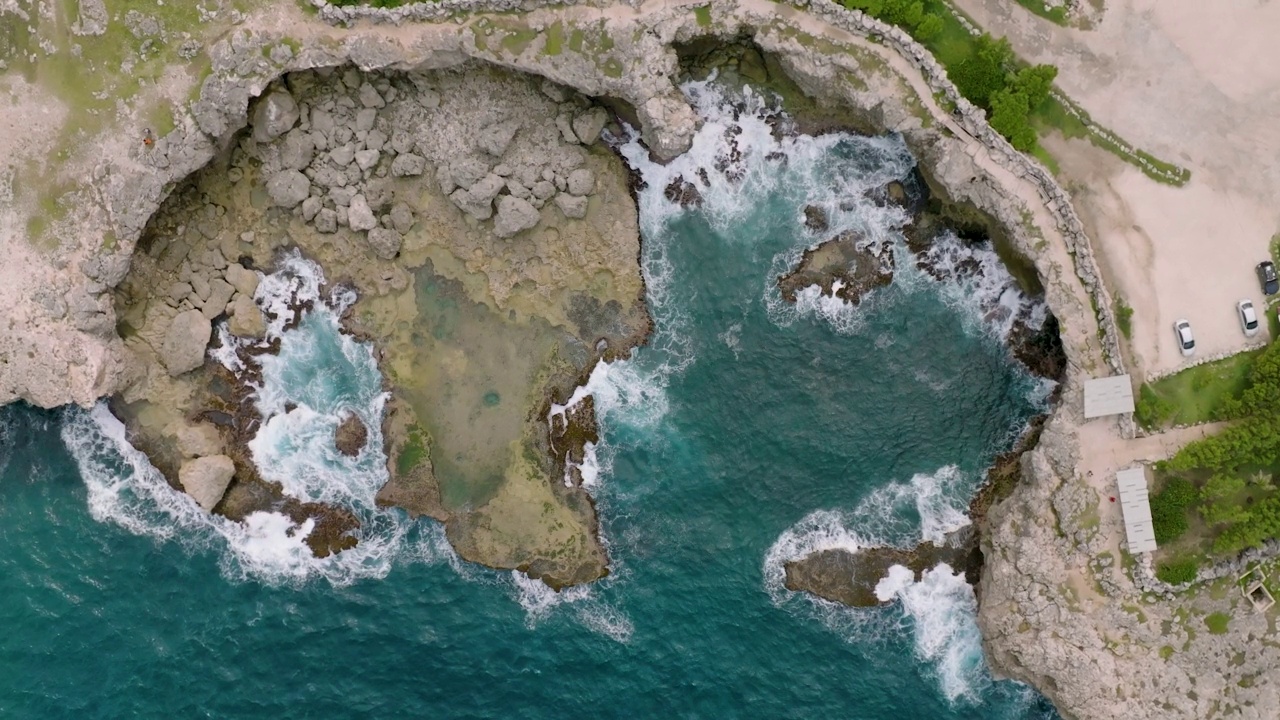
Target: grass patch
{"x": 1057, "y": 15}
{"x": 1124, "y": 318}
{"x": 1178, "y": 571}
{"x": 1195, "y": 395}
{"x": 1217, "y": 623}
{"x": 702, "y": 14}
{"x": 1166, "y": 652}
{"x": 517, "y": 40}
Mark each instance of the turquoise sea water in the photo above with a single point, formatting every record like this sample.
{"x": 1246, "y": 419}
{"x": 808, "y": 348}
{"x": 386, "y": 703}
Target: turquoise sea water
{"x": 747, "y": 432}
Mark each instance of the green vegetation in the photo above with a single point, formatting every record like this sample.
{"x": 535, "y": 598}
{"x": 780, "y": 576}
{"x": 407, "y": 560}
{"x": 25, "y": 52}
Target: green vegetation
{"x": 1233, "y": 472}
{"x": 1124, "y": 317}
{"x": 1176, "y": 572}
{"x": 1166, "y": 652}
{"x": 1217, "y": 622}
{"x": 1169, "y": 509}
{"x": 1195, "y": 395}
{"x": 555, "y": 39}
{"x": 989, "y": 75}
{"x": 702, "y": 14}
{"x": 1057, "y": 15}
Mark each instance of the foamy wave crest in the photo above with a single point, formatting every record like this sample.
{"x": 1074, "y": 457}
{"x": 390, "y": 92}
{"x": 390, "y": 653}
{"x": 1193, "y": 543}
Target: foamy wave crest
{"x": 126, "y": 490}
{"x": 541, "y": 602}
{"x": 901, "y": 514}
{"x": 974, "y": 280}
{"x": 942, "y": 611}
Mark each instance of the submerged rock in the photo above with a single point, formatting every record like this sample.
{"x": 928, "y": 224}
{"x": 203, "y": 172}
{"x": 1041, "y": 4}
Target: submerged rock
{"x": 206, "y": 479}
{"x": 351, "y": 436}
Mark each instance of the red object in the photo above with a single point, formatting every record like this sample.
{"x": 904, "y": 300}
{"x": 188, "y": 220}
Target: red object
{"x": 1113, "y": 499}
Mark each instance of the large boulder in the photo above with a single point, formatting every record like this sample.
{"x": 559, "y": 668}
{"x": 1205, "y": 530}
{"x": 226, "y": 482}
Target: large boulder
{"x": 573, "y": 206}
{"x": 589, "y": 123}
{"x": 514, "y": 216}
{"x": 287, "y": 188}
{"x": 581, "y": 182}
{"x": 275, "y": 115}
{"x": 244, "y": 280}
{"x": 385, "y": 242}
{"x": 297, "y": 151}
{"x": 360, "y": 215}
{"x": 199, "y": 439}
{"x": 220, "y": 292}
{"x": 206, "y": 478}
{"x": 185, "y": 341}
{"x": 246, "y": 319}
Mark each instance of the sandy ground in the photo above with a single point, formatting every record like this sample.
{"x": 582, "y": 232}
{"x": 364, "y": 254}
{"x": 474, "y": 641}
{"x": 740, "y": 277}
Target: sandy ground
{"x": 1197, "y": 88}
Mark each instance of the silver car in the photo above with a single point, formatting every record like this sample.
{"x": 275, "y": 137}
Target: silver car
{"x": 1186, "y": 343}
{"x": 1248, "y": 317}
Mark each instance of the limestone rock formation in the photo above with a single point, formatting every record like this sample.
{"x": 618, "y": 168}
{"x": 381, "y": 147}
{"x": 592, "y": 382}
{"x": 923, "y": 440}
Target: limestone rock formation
{"x": 287, "y": 188}
{"x": 274, "y": 116}
{"x": 198, "y": 440}
{"x": 206, "y": 478}
{"x": 185, "y": 342}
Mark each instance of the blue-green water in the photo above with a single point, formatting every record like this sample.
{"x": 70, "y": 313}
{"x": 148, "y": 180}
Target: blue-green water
{"x": 747, "y": 432}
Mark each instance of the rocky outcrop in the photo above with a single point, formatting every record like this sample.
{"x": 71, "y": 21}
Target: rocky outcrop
{"x": 846, "y": 266}
{"x": 206, "y": 479}
{"x": 351, "y": 436}
{"x": 850, "y": 578}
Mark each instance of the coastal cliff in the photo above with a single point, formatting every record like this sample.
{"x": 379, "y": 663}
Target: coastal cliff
{"x": 62, "y": 344}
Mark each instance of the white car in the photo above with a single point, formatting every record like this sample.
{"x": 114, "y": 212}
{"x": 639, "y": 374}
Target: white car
{"x": 1248, "y": 317}
{"x": 1186, "y": 343}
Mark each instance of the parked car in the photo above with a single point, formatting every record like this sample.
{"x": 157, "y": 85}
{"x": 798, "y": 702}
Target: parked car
{"x": 1186, "y": 343}
{"x": 1267, "y": 277}
{"x": 1248, "y": 317}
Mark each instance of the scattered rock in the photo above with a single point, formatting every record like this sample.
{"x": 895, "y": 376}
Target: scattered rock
{"x": 245, "y": 281}
{"x": 366, "y": 159}
{"x": 206, "y": 479}
{"x": 179, "y": 291}
{"x": 275, "y": 115}
{"x": 220, "y": 292}
{"x": 343, "y": 155}
{"x": 326, "y": 221}
{"x": 588, "y": 124}
{"x": 365, "y": 119}
{"x": 573, "y": 206}
{"x": 401, "y": 218}
{"x": 385, "y": 242}
{"x": 287, "y": 188}
{"x": 297, "y": 151}
{"x": 310, "y": 207}
{"x": 408, "y": 165}
{"x": 351, "y": 436}
{"x": 369, "y": 96}
{"x": 557, "y": 92}
{"x": 497, "y": 137}
{"x": 543, "y": 190}
{"x": 185, "y": 342}
{"x": 581, "y": 182}
{"x": 359, "y": 215}
{"x": 514, "y": 215}
{"x": 564, "y": 123}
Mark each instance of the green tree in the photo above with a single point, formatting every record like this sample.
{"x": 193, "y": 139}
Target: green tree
{"x": 1219, "y": 500}
{"x": 1034, "y": 82}
{"x": 984, "y": 73}
{"x": 1009, "y": 113}
{"x": 1169, "y": 509}
{"x": 929, "y": 28}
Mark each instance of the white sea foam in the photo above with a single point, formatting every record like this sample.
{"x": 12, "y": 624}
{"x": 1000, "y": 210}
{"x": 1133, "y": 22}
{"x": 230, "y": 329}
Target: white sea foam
{"x": 942, "y": 610}
{"x": 940, "y": 615}
{"x": 541, "y": 602}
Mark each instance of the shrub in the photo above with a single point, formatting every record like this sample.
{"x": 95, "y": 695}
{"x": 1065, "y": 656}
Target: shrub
{"x": 1218, "y": 500}
{"x": 1178, "y": 571}
{"x": 984, "y": 73}
{"x": 1124, "y": 318}
{"x": 1169, "y": 509}
{"x": 1151, "y": 410}
{"x": 929, "y": 28}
